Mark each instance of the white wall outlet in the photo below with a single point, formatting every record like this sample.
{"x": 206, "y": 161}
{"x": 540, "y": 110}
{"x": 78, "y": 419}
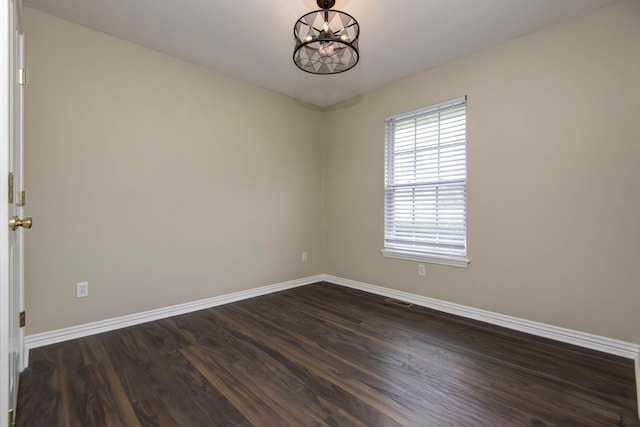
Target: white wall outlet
{"x": 421, "y": 270}
{"x": 304, "y": 257}
{"x": 82, "y": 289}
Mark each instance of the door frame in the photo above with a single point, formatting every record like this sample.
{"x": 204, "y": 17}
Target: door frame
{"x": 19, "y": 53}
{"x": 5, "y": 16}
{"x": 11, "y": 136}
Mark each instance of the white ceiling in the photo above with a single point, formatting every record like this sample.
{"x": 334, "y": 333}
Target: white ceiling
{"x": 252, "y": 40}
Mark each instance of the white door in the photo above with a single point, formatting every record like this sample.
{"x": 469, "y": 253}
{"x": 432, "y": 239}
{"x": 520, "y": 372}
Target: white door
{"x": 12, "y": 202}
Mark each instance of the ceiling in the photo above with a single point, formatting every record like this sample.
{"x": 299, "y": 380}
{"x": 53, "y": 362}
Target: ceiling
{"x": 252, "y": 40}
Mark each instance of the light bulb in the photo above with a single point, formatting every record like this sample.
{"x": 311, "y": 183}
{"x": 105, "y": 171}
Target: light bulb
{"x": 326, "y": 49}
{"x": 325, "y": 26}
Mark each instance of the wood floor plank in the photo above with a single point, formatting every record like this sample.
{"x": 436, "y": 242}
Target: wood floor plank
{"x": 151, "y": 412}
{"x": 40, "y": 396}
{"x": 220, "y": 410}
{"x": 178, "y": 384}
{"x": 131, "y": 363}
{"x": 80, "y": 395}
{"x": 323, "y": 355}
{"x": 251, "y": 406}
{"x": 92, "y": 350}
{"x": 115, "y": 393}
{"x": 263, "y": 371}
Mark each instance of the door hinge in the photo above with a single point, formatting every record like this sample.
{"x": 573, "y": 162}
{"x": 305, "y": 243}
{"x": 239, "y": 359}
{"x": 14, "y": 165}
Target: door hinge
{"x": 10, "y": 187}
{"x": 22, "y": 198}
{"x": 23, "y": 319}
{"x": 22, "y": 76}
{"x": 10, "y": 420}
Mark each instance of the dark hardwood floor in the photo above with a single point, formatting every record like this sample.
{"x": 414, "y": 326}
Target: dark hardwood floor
{"x": 323, "y": 355}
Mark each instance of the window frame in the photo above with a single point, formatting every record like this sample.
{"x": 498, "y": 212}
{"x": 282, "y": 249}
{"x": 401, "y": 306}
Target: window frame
{"x": 428, "y": 253}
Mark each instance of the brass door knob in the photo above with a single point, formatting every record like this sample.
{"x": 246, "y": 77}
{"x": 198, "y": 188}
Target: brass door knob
{"x": 16, "y": 222}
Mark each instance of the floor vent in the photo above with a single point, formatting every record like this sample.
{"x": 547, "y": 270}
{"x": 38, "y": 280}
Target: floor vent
{"x": 398, "y": 302}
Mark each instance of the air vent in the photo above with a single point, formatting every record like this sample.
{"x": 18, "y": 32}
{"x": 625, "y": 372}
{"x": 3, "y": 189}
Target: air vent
{"x": 398, "y": 302}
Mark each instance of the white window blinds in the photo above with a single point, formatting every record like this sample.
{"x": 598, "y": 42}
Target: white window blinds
{"x": 426, "y": 184}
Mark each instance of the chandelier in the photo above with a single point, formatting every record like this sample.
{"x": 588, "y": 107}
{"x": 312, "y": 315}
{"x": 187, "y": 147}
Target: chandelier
{"x": 326, "y": 41}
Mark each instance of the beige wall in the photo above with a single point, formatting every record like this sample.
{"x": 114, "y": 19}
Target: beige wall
{"x": 553, "y": 177}
{"x": 134, "y": 160}
{"x": 157, "y": 181}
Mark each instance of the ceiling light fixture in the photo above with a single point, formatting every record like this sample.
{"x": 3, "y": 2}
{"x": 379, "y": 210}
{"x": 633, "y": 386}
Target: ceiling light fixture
{"x": 326, "y": 41}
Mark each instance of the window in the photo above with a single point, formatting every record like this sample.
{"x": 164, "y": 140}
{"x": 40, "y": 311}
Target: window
{"x": 426, "y": 184}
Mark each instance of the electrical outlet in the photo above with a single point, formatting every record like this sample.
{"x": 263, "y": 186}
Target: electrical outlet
{"x": 421, "y": 270}
{"x": 82, "y": 289}
{"x": 304, "y": 257}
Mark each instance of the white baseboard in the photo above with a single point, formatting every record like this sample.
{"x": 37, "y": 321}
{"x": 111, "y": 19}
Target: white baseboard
{"x": 60, "y": 335}
{"x": 582, "y": 339}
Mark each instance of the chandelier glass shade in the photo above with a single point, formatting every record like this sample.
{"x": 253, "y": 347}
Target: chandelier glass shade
{"x": 326, "y": 41}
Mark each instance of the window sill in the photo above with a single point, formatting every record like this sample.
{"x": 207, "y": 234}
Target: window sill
{"x": 431, "y": 259}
